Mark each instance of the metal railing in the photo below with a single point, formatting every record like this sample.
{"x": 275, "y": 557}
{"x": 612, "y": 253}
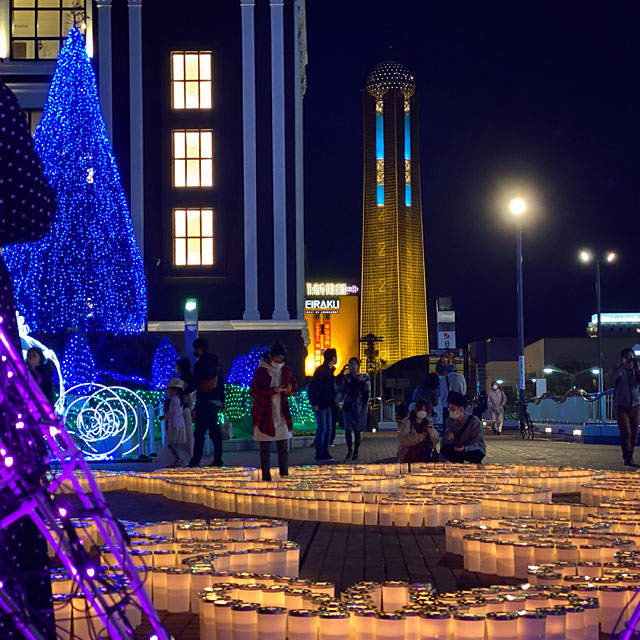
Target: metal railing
{"x": 576, "y": 409}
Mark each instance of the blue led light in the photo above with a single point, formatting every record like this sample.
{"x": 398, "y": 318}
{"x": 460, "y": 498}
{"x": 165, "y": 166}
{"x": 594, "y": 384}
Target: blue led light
{"x": 244, "y": 366}
{"x": 380, "y": 194}
{"x": 407, "y": 194}
{"x": 379, "y": 136}
{"x": 78, "y": 365}
{"x": 407, "y": 137}
{"x": 164, "y": 363}
{"x": 87, "y": 271}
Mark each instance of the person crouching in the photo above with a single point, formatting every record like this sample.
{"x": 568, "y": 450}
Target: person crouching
{"x": 463, "y": 436}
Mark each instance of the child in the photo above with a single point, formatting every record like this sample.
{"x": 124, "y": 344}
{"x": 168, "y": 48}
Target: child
{"x": 174, "y": 417}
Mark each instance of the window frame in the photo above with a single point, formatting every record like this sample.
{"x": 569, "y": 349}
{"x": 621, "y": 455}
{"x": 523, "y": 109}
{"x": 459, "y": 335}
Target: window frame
{"x": 200, "y": 158}
{"x": 35, "y": 39}
{"x": 202, "y": 237}
{"x": 184, "y": 81}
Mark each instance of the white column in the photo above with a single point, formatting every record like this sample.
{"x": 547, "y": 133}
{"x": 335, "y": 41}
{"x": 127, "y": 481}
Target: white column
{"x": 135, "y": 121}
{"x": 5, "y": 22}
{"x": 104, "y": 64}
{"x": 251, "y": 311}
{"x": 299, "y": 81}
{"x": 280, "y": 311}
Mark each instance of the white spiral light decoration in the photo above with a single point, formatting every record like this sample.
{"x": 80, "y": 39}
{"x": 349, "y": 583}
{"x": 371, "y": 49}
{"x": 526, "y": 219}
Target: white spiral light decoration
{"x": 110, "y": 416}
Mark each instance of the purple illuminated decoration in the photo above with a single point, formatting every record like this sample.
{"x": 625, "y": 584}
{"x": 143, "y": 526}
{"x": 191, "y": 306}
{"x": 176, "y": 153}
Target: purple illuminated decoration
{"x": 32, "y": 434}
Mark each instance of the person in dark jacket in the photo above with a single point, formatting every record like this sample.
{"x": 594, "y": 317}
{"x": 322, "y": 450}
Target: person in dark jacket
{"x": 429, "y": 391}
{"x": 322, "y": 396}
{"x": 27, "y": 206}
{"x": 355, "y": 388}
{"x": 463, "y": 436}
{"x": 626, "y": 382}
{"x": 42, "y": 372}
{"x": 207, "y": 381}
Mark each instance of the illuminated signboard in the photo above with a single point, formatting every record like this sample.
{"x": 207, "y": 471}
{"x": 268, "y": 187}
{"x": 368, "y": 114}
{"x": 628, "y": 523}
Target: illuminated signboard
{"x": 616, "y": 318}
{"x": 324, "y": 305}
{"x": 322, "y": 289}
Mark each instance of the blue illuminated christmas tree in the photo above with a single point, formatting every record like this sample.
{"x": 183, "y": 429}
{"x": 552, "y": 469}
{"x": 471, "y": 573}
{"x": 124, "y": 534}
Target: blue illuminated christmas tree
{"x": 164, "y": 363}
{"x": 78, "y": 365}
{"x": 87, "y": 271}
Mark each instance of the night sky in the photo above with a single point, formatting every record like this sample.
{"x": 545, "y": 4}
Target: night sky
{"x": 533, "y": 99}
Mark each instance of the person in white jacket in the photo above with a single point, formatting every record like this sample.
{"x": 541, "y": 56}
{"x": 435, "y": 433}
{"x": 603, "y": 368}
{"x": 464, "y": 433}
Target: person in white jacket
{"x": 497, "y": 401}
{"x": 175, "y": 427}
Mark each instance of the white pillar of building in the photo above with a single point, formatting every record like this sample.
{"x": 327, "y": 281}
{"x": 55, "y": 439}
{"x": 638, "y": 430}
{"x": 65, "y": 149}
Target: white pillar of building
{"x": 135, "y": 121}
{"x": 299, "y": 80}
{"x": 249, "y": 162}
{"x": 105, "y": 88}
{"x": 280, "y": 311}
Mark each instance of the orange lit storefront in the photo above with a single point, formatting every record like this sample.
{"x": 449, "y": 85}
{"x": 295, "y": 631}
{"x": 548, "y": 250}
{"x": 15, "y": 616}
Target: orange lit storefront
{"x": 331, "y": 310}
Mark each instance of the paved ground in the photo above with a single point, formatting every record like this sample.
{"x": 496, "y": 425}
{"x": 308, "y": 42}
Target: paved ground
{"x": 503, "y": 449}
{"x": 345, "y": 554}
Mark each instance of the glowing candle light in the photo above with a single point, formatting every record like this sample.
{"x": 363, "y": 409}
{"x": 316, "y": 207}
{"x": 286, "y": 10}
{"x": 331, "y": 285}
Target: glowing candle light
{"x": 302, "y": 624}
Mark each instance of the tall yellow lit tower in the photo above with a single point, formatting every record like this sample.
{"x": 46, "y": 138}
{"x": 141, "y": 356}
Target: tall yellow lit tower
{"x": 394, "y": 297}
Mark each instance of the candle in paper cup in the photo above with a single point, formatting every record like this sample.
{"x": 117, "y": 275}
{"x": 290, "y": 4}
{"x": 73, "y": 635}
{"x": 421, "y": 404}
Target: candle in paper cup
{"x": 436, "y": 625}
{"x": 302, "y": 624}
{"x": 244, "y": 620}
{"x": 502, "y": 625}
{"x": 272, "y": 623}
{"x": 531, "y": 625}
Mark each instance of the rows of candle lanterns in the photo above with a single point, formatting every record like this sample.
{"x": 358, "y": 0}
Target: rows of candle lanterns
{"x": 378, "y": 494}
{"x": 581, "y": 562}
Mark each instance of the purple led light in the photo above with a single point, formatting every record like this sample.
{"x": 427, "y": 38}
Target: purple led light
{"x": 8, "y": 461}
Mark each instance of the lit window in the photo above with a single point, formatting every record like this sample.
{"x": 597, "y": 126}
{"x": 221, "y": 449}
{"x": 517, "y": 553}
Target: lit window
{"x": 39, "y": 27}
{"x": 193, "y": 158}
{"x": 192, "y": 237}
{"x": 191, "y": 79}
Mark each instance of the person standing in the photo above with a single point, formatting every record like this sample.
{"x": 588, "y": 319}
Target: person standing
{"x": 355, "y": 388}
{"x": 456, "y": 381}
{"x": 207, "y": 382}
{"x": 441, "y": 365}
{"x": 322, "y": 396}
{"x": 28, "y": 205}
{"x": 273, "y": 382}
{"x": 463, "y": 437}
{"x": 497, "y": 401}
{"x": 429, "y": 391}
{"x": 175, "y": 426}
{"x": 626, "y": 383}
{"x": 183, "y": 371}
{"x": 43, "y": 373}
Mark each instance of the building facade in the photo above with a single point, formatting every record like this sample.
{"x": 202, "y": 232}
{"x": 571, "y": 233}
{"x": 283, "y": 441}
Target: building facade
{"x": 212, "y": 169}
{"x": 394, "y": 300}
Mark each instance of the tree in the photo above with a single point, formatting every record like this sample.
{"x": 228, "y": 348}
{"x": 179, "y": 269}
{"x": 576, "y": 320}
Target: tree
{"x": 78, "y": 365}
{"x": 87, "y": 271}
{"x": 164, "y": 363}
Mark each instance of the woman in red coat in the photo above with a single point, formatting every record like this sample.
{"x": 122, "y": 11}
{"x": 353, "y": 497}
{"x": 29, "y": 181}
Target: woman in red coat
{"x": 272, "y": 384}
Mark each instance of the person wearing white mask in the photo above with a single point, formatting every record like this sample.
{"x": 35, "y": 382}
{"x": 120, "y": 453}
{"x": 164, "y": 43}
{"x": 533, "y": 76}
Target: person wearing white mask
{"x": 417, "y": 439}
{"x": 463, "y": 436}
{"x": 272, "y": 384}
{"x": 497, "y": 401}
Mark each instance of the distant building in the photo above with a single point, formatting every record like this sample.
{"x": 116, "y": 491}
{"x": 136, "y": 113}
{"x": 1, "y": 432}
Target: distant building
{"x": 615, "y": 325}
{"x": 492, "y": 359}
{"x": 394, "y": 299}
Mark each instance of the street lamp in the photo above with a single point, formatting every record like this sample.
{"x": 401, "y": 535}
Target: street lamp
{"x": 572, "y": 376}
{"x": 518, "y": 206}
{"x": 586, "y": 256}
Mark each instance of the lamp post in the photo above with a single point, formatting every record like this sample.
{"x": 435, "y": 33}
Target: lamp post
{"x": 586, "y": 256}
{"x": 518, "y": 206}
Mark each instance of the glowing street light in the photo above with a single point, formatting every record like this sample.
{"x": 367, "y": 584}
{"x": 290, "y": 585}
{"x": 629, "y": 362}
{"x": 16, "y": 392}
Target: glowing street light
{"x": 586, "y": 256}
{"x": 517, "y": 206}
